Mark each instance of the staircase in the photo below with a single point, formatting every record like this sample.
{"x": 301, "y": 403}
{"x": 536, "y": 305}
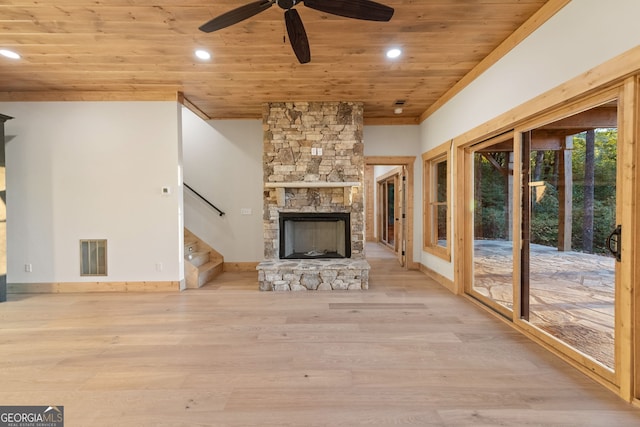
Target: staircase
{"x": 202, "y": 263}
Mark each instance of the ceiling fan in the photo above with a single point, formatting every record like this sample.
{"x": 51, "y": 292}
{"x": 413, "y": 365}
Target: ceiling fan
{"x": 357, "y": 9}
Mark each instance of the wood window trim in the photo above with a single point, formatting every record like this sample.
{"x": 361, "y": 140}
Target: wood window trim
{"x": 431, "y": 158}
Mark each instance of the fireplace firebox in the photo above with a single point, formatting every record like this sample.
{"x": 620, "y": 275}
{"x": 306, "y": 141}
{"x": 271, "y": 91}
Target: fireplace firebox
{"x": 305, "y": 235}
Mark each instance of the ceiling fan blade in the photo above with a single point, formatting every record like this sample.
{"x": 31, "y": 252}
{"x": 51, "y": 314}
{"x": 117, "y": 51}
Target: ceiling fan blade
{"x": 297, "y": 35}
{"x": 236, "y": 15}
{"x": 356, "y": 9}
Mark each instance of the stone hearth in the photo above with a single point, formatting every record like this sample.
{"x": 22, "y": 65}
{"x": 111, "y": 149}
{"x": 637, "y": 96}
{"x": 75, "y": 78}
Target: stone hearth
{"x": 311, "y": 275}
{"x": 313, "y": 162}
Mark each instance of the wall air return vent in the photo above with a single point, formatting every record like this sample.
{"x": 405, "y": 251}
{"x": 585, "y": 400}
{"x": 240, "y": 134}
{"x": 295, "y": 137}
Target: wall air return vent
{"x": 93, "y": 257}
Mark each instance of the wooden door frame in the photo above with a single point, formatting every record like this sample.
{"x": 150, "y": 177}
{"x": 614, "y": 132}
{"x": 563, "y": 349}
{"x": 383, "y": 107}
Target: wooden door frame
{"x": 407, "y": 162}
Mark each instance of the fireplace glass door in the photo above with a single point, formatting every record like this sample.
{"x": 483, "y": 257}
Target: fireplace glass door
{"x": 314, "y": 235}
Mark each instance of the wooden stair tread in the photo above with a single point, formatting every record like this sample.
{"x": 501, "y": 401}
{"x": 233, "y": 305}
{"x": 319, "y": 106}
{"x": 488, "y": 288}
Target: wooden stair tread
{"x": 196, "y": 254}
{"x": 210, "y": 265}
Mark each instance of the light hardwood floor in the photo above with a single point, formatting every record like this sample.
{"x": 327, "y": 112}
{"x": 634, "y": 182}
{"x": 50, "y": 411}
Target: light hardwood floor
{"x": 404, "y": 352}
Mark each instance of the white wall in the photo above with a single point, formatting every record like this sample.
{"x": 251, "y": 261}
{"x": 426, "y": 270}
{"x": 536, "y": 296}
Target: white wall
{"x": 582, "y": 35}
{"x": 223, "y": 162}
{"x": 93, "y": 170}
{"x": 378, "y": 170}
{"x": 401, "y": 141}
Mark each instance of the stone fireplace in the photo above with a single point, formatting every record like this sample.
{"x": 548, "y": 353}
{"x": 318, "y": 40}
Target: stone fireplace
{"x": 313, "y": 162}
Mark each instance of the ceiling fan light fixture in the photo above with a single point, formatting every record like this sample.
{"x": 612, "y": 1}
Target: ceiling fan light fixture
{"x": 203, "y": 54}
{"x": 9, "y": 54}
{"x": 394, "y": 53}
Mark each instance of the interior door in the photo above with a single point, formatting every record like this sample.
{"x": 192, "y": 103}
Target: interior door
{"x": 392, "y": 205}
{"x": 401, "y": 183}
{"x": 390, "y": 214}
{"x": 387, "y": 207}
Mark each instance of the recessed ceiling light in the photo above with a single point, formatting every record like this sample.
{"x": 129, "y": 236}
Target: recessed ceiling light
{"x": 203, "y": 54}
{"x": 9, "y": 54}
{"x": 398, "y": 104}
{"x": 393, "y": 53}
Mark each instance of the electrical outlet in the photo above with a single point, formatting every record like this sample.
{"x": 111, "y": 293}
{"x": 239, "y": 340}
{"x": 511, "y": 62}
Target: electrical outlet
{"x": 314, "y": 151}
{"x": 158, "y": 266}
{"x": 319, "y": 151}
{"x": 245, "y": 211}
{"x": 28, "y": 268}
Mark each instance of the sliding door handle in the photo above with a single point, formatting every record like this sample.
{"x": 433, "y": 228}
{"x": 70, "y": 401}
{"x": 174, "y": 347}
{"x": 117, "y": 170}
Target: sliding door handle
{"x": 615, "y": 238}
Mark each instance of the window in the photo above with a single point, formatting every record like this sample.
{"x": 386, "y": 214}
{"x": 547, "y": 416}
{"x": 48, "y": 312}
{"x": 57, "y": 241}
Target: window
{"x": 93, "y": 257}
{"x": 436, "y": 202}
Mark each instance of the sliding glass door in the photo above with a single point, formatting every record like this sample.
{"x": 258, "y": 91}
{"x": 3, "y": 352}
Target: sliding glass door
{"x": 546, "y": 228}
{"x": 570, "y": 231}
{"x": 491, "y": 220}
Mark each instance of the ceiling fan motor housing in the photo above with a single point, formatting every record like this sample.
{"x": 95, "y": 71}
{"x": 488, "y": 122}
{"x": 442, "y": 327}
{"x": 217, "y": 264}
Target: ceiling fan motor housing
{"x": 286, "y": 4}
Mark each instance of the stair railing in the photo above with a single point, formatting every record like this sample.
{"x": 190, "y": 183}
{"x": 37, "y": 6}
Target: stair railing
{"x": 203, "y": 199}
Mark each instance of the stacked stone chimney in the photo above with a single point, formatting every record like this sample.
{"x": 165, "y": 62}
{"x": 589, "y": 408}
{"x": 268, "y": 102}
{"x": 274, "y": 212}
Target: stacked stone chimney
{"x": 294, "y": 134}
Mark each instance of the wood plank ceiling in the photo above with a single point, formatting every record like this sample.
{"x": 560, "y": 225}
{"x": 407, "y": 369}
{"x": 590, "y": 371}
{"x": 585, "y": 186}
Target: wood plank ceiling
{"x": 140, "y": 49}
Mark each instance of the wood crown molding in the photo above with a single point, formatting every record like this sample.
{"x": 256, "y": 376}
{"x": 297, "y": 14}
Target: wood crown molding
{"x": 525, "y": 30}
{"x": 192, "y": 107}
{"x": 56, "y": 95}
